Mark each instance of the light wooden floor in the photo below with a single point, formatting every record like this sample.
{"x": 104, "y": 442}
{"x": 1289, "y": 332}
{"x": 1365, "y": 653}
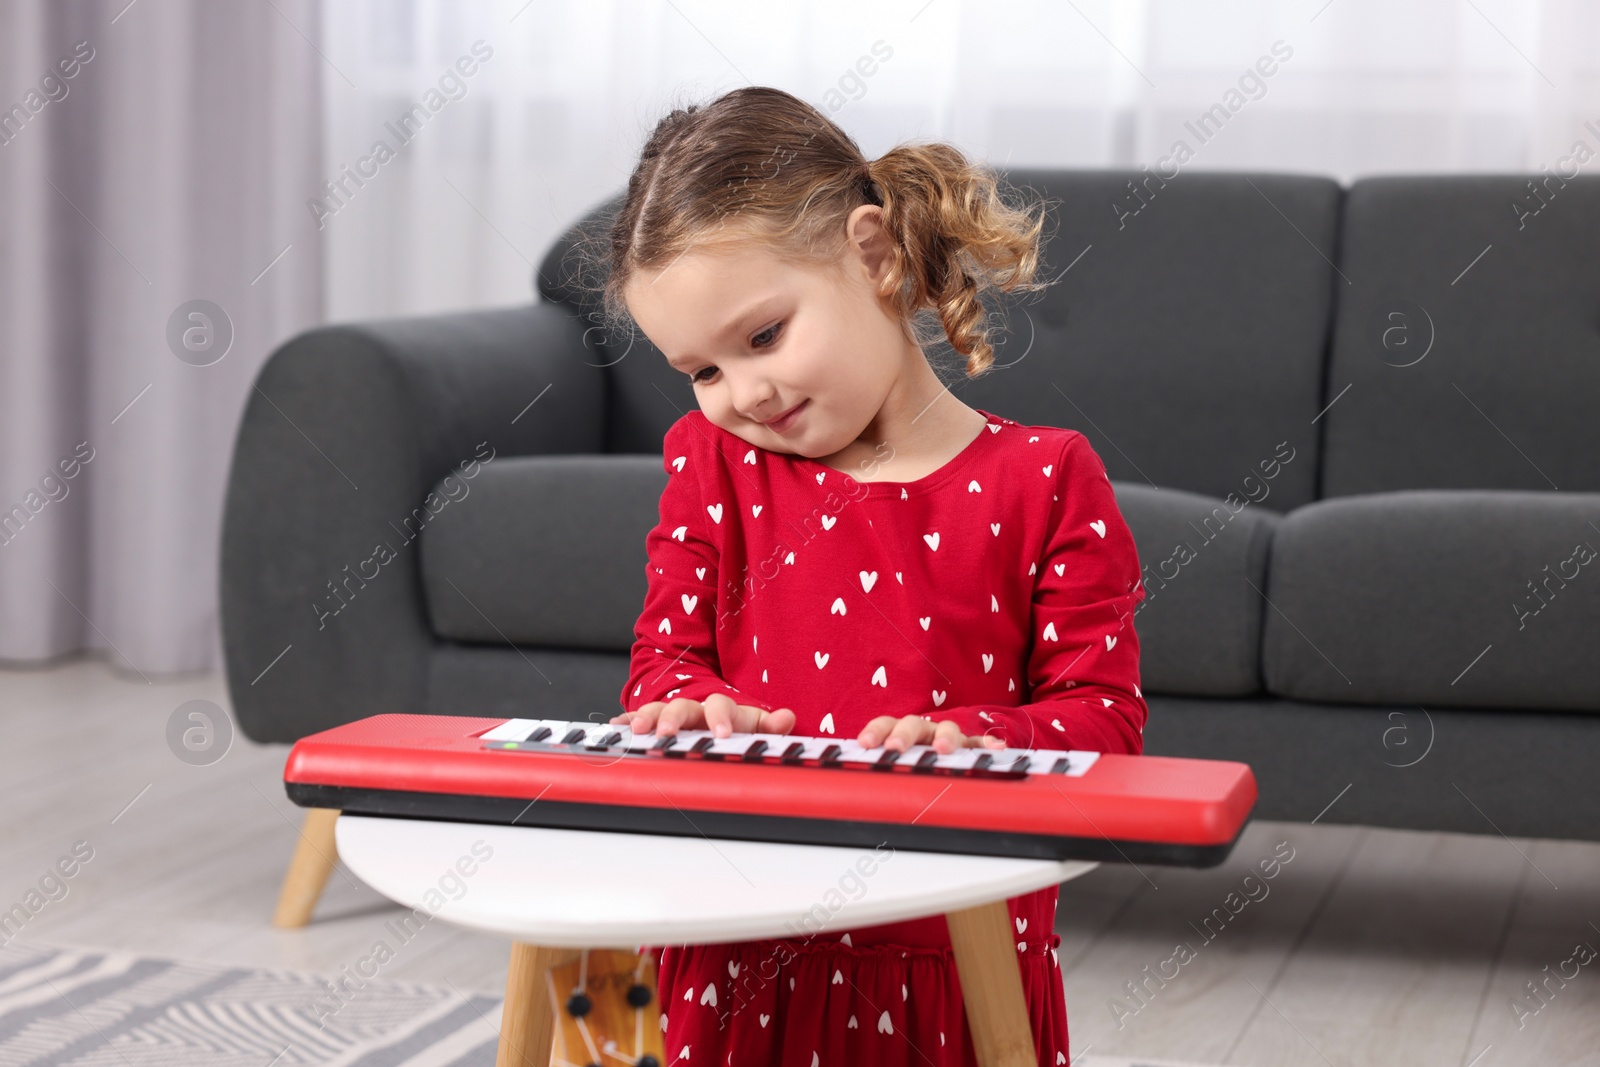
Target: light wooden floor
{"x": 1369, "y": 947}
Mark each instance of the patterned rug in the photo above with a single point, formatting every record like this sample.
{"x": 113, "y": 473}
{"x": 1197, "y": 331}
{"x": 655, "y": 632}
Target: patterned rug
{"x": 71, "y": 1007}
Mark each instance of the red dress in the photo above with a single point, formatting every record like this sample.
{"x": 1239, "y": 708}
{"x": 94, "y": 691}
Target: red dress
{"x": 997, "y": 591}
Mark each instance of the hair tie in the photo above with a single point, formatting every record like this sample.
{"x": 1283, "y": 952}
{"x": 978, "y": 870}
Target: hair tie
{"x": 868, "y": 188}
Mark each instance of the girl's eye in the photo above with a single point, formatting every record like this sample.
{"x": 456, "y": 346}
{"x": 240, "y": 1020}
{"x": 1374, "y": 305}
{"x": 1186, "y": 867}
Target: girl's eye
{"x": 755, "y": 342}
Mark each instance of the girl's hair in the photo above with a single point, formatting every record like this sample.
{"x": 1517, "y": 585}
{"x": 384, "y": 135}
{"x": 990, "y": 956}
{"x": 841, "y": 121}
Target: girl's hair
{"x": 760, "y": 163}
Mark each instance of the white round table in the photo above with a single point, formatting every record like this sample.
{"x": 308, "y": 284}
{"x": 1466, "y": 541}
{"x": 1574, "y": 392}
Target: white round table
{"x": 551, "y": 889}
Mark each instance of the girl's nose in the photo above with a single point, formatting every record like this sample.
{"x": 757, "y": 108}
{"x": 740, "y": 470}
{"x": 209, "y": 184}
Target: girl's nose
{"x": 752, "y": 397}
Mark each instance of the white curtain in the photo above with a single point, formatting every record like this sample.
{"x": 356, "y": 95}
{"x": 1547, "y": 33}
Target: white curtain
{"x": 180, "y": 162}
{"x": 554, "y": 120}
{"x": 152, "y": 155}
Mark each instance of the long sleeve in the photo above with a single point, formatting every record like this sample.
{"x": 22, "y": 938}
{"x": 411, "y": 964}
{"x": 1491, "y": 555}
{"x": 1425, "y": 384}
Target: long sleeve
{"x": 1083, "y": 658}
{"x": 675, "y": 638}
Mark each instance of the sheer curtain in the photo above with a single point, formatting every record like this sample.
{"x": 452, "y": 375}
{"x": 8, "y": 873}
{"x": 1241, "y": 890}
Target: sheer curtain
{"x": 154, "y": 157}
{"x": 552, "y": 122}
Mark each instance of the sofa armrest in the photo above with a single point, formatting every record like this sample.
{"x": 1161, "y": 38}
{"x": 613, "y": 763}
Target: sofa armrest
{"x": 344, "y": 435}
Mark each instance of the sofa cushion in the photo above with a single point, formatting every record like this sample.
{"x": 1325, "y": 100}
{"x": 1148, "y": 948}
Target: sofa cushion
{"x": 1466, "y": 353}
{"x": 546, "y": 551}
{"x": 1204, "y": 566}
{"x": 1463, "y": 598}
{"x": 1461, "y": 770}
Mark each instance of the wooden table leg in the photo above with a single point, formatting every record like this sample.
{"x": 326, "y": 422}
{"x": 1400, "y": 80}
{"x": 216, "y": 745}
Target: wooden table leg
{"x": 527, "y": 1022}
{"x": 314, "y": 856}
{"x": 991, "y": 985}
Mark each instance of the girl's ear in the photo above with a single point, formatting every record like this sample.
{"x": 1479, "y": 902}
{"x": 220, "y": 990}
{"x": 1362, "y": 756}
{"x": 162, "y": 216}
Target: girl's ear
{"x": 870, "y": 241}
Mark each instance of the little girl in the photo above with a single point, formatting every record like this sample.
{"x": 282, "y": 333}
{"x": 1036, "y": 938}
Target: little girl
{"x": 845, "y": 548}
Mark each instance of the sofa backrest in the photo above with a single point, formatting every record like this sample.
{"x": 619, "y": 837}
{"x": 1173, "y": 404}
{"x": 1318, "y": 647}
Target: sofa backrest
{"x": 1188, "y": 332}
{"x": 1466, "y": 353}
{"x": 1185, "y": 335}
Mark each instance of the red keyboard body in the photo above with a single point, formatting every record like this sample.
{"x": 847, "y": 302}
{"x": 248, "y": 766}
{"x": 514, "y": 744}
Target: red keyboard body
{"x": 1064, "y": 805}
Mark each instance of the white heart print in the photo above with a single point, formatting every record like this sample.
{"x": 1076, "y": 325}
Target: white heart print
{"x": 938, "y": 698}
{"x": 1098, "y": 526}
{"x": 826, "y": 726}
{"x": 932, "y": 539}
{"x": 716, "y": 512}
{"x": 880, "y": 677}
{"x": 821, "y": 658}
{"x": 678, "y": 463}
{"x": 868, "y": 580}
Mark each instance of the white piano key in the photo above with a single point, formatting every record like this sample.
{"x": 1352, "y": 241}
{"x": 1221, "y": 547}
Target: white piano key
{"x": 961, "y": 761}
{"x": 601, "y": 735}
{"x": 814, "y": 749}
{"x": 633, "y": 742}
{"x": 779, "y": 746}
{"x": 510, "y": 730}
{"x": 1048, "y": 760}
{"x": 686, "y": 742}
{"x": 1081, "y": 762}
{"x": 734, "y": 746}
{"x": 914, "y": 755}
{"x": 853, "y": 754}
{"x": 1006, "y": 759}
{"x": 559, "y": 729}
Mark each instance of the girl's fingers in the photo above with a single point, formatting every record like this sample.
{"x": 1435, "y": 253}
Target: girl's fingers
{"x": 876, "y": 730}
{"x": 719, "y": 714}
{"x": 909, "y": 731}
{"x": 682, "y": 713}
{"x": 642, "y": 720}
{"x": 775, "y": 722}
{"x": 947, "y": 737}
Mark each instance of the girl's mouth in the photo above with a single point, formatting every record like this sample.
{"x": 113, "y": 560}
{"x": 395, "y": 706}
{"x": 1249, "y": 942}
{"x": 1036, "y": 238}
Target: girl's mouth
{"x": 784, "y": 422}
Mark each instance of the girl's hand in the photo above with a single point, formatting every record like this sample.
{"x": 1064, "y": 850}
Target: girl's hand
{"x": 945, "y": 737}
{"x": 717, "y": 713}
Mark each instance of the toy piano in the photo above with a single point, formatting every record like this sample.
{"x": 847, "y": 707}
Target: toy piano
{"x": 1033, "y": 803}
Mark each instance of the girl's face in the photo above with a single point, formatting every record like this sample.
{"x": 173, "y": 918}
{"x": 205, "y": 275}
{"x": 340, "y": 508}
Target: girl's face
{"x": 792, "y": 359}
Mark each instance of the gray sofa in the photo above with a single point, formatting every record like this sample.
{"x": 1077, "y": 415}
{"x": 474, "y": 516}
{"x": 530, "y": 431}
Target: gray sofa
{"x": 1355, "y": 431}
